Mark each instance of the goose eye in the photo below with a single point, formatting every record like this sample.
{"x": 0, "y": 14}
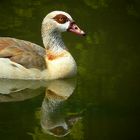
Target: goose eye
{"x": 61, "y": 18}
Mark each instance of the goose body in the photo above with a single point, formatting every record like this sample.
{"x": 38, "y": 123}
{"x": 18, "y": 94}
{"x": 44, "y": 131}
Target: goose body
{"x": 21, "y": 59}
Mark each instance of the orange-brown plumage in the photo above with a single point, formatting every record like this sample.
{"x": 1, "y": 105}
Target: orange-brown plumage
{"x": 22, "y": 52}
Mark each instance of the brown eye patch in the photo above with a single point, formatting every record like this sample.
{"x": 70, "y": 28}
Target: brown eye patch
{"x": 61, "y": 18}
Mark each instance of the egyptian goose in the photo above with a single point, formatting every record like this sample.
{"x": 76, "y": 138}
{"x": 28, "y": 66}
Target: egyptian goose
{"x": 21, "y": 59}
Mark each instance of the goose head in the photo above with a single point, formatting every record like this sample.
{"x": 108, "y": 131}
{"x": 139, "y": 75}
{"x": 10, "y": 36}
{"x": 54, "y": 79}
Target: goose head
{"x": 59, "y": 21}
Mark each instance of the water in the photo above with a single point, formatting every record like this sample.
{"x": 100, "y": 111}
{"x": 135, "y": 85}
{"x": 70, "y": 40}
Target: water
{"x": 102, "y": 102}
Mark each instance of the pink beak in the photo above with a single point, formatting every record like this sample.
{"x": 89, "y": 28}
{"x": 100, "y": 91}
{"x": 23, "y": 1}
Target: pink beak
{"x": 75, "y": 29}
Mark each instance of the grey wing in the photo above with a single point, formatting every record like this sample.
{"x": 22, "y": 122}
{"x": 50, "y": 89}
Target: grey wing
{"x": 23, "y": 52}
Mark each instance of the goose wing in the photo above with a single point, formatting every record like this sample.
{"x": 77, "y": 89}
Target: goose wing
{"x": 22, "y": 52}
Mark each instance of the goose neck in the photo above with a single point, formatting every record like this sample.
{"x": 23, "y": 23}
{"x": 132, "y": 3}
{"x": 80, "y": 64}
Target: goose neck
{"x": 53, "y": 41}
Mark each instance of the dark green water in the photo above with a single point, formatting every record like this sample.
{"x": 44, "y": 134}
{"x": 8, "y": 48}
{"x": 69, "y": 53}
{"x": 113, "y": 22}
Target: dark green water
{"x": 102, "y": 103}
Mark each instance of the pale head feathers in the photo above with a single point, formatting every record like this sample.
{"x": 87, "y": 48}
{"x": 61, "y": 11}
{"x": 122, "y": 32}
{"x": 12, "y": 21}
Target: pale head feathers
{"x": 53, "y": 23}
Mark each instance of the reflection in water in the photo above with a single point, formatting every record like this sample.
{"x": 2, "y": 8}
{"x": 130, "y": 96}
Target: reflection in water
{"x": 19, "y": 90}
{"x": 53, "y": 120}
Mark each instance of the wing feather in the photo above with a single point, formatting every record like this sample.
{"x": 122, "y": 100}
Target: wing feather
{"x": 23, "y": 52}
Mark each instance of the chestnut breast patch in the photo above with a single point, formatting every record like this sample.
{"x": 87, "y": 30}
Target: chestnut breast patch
{"x": 60, "y": 18}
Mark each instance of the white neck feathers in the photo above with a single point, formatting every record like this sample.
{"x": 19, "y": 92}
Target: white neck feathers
{"x": 52, "y": 39}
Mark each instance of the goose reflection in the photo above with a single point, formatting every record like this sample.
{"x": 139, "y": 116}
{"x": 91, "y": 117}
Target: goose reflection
{"x": 20, "y": 90}
{"x": 53, "y": 119}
